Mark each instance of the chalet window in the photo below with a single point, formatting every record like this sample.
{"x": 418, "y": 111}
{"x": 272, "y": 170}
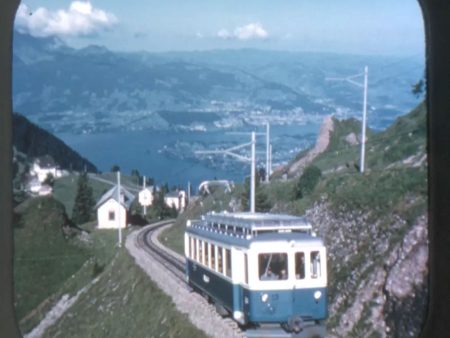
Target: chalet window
{"x": 111, "y": 216}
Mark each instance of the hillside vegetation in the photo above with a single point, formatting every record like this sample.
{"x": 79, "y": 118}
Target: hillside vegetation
{"x": 33, "y": 141}
{"x": 123, "y": 302}
{"x": 57, "y": 264}
{"x": 374, "y": 225}
{"x": 46, "y": 252}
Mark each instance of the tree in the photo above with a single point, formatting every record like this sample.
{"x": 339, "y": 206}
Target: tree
{"x": 418, "y": 88}
{"x": 262, "y": 203}
{"x": 84, "y": 201}
{"x": 136, "y": 176}
{"x": 307, "y": 181}
{"x": 159, "y": 207}
{"x": 115, "y": 168}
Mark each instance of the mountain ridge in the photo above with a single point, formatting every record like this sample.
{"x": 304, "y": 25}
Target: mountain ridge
{"x": 60, "y": 83}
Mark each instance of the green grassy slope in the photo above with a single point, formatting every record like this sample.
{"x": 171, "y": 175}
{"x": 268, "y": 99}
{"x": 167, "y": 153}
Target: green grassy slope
{"x": 44, "y": 255}
{"x": 123, "y": 303}
{"x": 50, "y": 263}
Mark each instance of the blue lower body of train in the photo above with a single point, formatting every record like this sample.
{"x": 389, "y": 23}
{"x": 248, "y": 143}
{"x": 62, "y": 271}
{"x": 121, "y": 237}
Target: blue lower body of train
{"x": 288, "y": 307}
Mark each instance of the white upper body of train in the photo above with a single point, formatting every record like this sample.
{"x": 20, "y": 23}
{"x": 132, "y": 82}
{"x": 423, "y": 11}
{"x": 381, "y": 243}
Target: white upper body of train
{"x": 260, "y": 267}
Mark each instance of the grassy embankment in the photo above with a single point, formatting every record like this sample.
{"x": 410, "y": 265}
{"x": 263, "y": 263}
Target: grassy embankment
{"x": 52, "y": 260}
{"x": 124, "y": 303}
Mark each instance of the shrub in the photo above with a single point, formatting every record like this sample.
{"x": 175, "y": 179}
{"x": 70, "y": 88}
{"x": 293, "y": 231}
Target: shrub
{"x": 307, "y": 181}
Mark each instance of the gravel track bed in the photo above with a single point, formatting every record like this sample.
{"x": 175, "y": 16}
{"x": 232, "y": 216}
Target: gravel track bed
{"x": 200, "y": 313}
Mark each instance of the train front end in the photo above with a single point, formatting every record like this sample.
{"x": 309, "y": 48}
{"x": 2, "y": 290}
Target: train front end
{"x": 287, "y": 282}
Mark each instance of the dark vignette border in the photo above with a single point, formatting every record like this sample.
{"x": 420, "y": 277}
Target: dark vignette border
{"x": 436, "y": 15}
{"x": 8, "y": 322}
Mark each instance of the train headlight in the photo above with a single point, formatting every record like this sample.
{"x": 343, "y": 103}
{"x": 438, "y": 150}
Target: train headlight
{"x": 264, "y": 297}
{"x": 317, "y": 295}
{"x": 238, "y": 315}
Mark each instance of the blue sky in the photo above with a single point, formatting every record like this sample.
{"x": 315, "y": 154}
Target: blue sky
{"x": 343, "y": 26}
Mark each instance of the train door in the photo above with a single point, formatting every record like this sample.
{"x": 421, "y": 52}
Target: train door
{"x": 309, "y": 296}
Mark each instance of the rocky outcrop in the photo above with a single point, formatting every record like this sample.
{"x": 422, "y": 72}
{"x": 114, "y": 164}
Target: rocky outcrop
{"x": 323, "y": 139}
{"x": 378, "y": 273}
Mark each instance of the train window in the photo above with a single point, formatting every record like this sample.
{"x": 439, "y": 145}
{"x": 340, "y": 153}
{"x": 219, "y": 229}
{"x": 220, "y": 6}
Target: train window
{"x": 273, "y": 266}
{"x": 213, "y": 256}
{"x": 219, "y": 260}
{"x": 299, "y": 265}
{"x": 246, "y": 268}
{"x": 228, "y": 262}
{"x": 200, "y": 251}
{"x": 194, "y": 248}
{"x": 206, "y": 261}
{"x": 315, "y": 264}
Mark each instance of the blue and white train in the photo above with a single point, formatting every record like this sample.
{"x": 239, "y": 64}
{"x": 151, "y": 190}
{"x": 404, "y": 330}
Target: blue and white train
{"x": 261, "y": 268}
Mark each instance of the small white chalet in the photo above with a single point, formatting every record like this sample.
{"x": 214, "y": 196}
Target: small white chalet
{"x": 112, "y": 213}
{"x": 176, "y": 199}
{"x": 43, "y": 166}
{"x": 35, "y": 187}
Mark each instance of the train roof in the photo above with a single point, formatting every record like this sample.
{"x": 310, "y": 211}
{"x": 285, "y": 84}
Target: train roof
{"x": 245, "y": 228}
{"x": 259, "y": 221}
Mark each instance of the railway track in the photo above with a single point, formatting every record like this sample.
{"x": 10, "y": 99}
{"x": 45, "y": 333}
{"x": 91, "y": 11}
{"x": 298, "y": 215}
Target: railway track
{"x": 163, "y": 256}
{"x": 175, "y": 265}
{"x": 147, "y": 241}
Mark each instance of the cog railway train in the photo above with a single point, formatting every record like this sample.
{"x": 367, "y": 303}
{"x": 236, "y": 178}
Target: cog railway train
{"x": 260, "y": 268}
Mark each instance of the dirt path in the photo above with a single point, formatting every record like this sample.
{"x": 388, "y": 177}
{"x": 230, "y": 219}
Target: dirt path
{"x": 57, "y": 312}
{"x": 323, "y": 139}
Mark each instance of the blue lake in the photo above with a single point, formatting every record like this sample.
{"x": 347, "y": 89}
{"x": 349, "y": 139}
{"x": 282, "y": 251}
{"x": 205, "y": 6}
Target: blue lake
{"x": 167, "y": 156}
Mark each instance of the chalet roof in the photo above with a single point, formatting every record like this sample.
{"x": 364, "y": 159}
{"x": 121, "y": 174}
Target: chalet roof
{"x": 128, "y": 197}
{"x": 46, "y": 161}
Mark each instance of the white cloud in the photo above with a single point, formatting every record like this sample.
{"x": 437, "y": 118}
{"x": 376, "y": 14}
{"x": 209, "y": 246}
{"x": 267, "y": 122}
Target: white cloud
{"x": 80, "y": 19}
{"x": 224, "y": 34}
{"x": 252, "y": 31}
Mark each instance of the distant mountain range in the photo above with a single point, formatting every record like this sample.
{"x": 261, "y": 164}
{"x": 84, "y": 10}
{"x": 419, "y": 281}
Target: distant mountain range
{"x": 93, "y": 89}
